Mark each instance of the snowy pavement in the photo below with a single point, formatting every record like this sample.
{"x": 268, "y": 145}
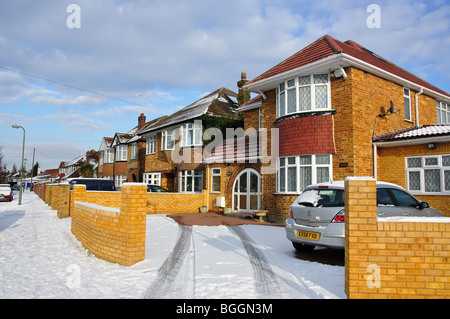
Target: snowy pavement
{"x": 40, "y": 258}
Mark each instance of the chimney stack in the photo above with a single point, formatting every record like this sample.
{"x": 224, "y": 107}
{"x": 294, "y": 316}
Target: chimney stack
{"x": 243, "y": 96}
{"x": 141, "y": 121}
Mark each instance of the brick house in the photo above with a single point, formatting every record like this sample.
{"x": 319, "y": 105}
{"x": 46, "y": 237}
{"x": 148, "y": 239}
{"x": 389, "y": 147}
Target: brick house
{"x": 106, "y": 162}
{"x": 174, "y": 144}
{"x": 331, "y": 102}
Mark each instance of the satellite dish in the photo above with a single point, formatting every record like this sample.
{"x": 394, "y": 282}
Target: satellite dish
{"x": 392, "y": 108}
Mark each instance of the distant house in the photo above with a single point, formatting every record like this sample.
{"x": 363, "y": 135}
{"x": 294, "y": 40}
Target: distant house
{"x": 72, "y": 169}
{"x": 181, "y": 135}
{"x": 144, "y": 154}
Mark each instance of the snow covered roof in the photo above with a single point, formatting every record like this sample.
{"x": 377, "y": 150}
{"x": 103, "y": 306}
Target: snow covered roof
{"x": 415, "y": 132}
{"x": 221, "y": 102}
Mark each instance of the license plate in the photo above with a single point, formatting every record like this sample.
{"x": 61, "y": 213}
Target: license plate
{"x": 308, "y": 235}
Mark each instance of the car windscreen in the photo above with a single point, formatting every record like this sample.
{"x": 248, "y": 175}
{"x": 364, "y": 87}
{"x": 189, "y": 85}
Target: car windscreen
{"x": 321, "y": 198}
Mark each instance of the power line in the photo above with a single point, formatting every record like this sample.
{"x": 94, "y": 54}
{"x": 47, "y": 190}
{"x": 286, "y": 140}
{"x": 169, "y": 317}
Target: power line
{"x": 67, "y": 85}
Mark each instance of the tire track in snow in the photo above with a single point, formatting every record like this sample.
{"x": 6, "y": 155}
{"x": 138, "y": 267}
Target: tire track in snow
{"x": 265, "y": 281}
{"x": 168, "y": 272}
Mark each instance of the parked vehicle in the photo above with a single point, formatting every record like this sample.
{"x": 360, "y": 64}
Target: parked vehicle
{"x": 94, "y": 184}
{"x": 156, "y": 189}
{"x": 6, "y": 193}
{"x": 316, "y": 218}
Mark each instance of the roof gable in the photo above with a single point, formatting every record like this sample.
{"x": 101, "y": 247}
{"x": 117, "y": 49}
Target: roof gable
{"x": 327, "y": 47}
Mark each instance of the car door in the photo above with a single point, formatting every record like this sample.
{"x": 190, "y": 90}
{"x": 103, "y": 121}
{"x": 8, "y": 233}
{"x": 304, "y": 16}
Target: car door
{"x": 407, "y": 203}
{"x": 386, "y": 205}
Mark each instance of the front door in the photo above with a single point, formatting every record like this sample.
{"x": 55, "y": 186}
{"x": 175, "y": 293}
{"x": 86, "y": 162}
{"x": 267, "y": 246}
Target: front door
{"x": 247, "y": 191}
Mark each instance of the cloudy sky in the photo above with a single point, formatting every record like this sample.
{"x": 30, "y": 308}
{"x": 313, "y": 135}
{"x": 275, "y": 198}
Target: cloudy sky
{"x": 70, "y": 84}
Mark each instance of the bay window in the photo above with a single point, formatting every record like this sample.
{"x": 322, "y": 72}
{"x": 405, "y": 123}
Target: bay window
{"x": 304, "y": 93}
{"x": 428, "y": 174}
{"x": 294, "y": 173}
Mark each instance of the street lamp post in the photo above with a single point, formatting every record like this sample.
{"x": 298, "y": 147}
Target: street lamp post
{"x": 21, "y": 170}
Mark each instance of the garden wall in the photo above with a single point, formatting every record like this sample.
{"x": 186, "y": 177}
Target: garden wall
{"x": 388, "y": 258}
{"x": 113, "y": 234}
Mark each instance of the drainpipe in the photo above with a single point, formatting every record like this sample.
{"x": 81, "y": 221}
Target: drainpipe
{"x": 375, "y": 150}
{"x": 417, "y": 105}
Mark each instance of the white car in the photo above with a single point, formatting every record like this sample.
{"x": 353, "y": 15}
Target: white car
{"x": 316, "y": 218}
{"x": 6, "y": 193}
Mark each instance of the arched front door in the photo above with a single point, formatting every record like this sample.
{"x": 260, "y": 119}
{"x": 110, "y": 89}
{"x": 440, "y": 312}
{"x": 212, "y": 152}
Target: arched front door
{"x": 247, "y": 191}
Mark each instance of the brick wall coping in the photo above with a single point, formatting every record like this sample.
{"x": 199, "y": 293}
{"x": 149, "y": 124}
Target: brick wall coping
{"x": 413, "y": 219}
{"x": 98, "y": 207}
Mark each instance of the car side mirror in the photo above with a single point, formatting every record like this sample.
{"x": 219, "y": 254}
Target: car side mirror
{"x": 423, "y": 205}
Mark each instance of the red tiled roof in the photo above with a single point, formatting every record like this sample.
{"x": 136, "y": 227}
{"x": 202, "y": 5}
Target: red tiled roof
{"x": 327, "y": 46}
{"x": 416, "y": 132}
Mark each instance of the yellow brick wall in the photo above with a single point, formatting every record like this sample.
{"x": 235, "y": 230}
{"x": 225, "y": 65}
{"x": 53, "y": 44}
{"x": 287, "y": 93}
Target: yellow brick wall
{"x": 111, "y": 235}
{"x": 392, "y": 168}
{"x": 172, "y": 203}
{"x": 108, "y": 199}
{"x": 392, "y": 259}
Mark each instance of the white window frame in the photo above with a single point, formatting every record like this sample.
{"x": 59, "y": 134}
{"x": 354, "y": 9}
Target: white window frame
{"x": 121, "y": 152}
{"x": 260, "y": 118}
{"x": 216, "y": 173}
{"x": 133, "y": 150}
{"x": 150, "y": 147}
{"x": 294, "y": 163}
{"x": 294, "y": 84}
{"x": 426, "y": 164}
{"x": 168, "y": 136}
{"x": 443, "y": 112}
{"x": 109, "y": 156}
{"x": 407, "y": 104}
{"x": 183, "y": 181}
{"x": 191, "y": 134}
{"x": 152, "y": 178}
{"x": 119, "y": 180}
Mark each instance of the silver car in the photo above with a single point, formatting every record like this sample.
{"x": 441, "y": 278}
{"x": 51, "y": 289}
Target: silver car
{"x": 316, "y": 218}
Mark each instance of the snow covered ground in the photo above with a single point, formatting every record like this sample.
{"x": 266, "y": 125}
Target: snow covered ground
{"x": 40, "y": 258}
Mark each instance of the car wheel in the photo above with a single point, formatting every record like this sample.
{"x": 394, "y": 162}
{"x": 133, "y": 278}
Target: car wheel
{"x": 303, "y": 248}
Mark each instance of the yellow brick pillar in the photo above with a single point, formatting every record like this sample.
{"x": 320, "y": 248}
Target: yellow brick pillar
{"x": 78, "y": 194}
{"x": 360, "y": 227}
{"x": 55, "y": 197}
{"x": 48, "y": 194}
{"x": 133, "y": 211}
{"x": 64, "y": 201}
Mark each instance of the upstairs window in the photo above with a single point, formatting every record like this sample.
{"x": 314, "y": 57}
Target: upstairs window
{"x": 303, "y": 94}
{"x": 133, "y": 151}
{"x": 109, "y": 156}
{"x": 168, "y": 139}
{"x": 121, "y": 152}
{"x": 443, "y": 112}
{"x": 407, "y": 103}
{"x": 151, "y": 145}
{"x": 191, "y": 134}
